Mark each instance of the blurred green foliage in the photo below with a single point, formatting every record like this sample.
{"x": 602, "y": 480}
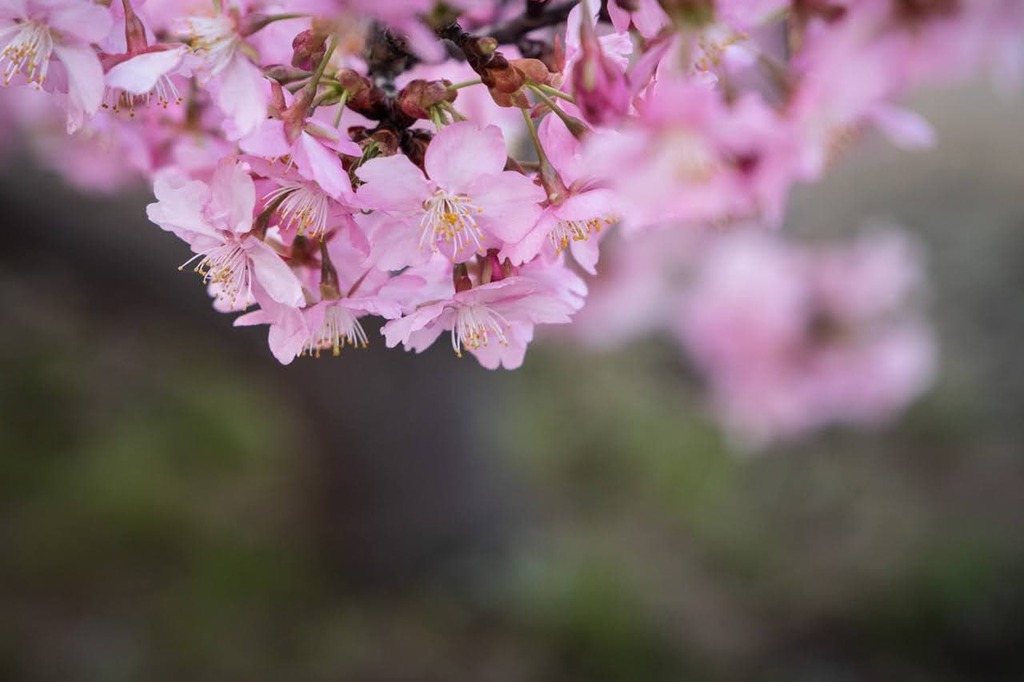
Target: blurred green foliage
{"x": 155, "y": 525}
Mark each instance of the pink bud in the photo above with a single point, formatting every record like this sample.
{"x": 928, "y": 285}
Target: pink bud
{"x": 599, "y": 84}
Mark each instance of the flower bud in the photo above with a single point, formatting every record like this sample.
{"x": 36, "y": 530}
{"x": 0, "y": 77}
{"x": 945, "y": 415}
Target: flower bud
{"x": 134, "y": 31}
{"x": 599, "y": 84}
{"x": 308, "y": 49}
{"x": 532, "y": 70}
{"x": 364, "y": 97}
{"x": 460, "y": 278}
{"x": 418, "y": 97}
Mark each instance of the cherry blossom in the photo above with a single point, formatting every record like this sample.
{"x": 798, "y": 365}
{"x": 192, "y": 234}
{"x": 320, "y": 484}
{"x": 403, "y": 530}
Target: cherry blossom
{"x": 457, "y": 168}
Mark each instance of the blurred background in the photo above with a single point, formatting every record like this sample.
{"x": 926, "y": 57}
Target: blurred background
{"x": 176, "y": 506}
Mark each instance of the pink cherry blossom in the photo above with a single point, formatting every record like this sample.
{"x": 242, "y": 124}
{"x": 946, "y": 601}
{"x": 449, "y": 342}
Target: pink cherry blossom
{"x": 792, "y": 339}
{"x": 463, "y": 204}
{"x": 238, "y": 86}
{"x": 35, "y": 34}
{"x": 577, "y": 209}
{"x": 216, "y": 221}
{"x": 333, "y": 161}
{"x": 492, "y": 321}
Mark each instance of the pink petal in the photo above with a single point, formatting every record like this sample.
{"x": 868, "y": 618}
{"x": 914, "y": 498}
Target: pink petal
{"x": 321, "y": 165}
{"x": 510, "y": 204}
{"x": 273, "y": 274}
{"x": 140, "y": 74}
{"x": 85, "y": 21}
{"x": 510, "y": 355}
{"x": 179, "y": 207}
{"x": 233, "y": 197}
{"x": 462, "y": 152}
{"x": 241, "y": 92}
{"x": 392, "y": 183}
{"x": 904, "y": 128}
{"x": 394, "y": 241}
{"x": 85, "y": 75}
{"x": 267, "y": 141}
{"x": 400, "y": 330}
{"x": 530, "y": 246}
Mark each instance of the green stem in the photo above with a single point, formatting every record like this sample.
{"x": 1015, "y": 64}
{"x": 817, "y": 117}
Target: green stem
{"x": 555, "y": 92}
{"x": 465, "y": 84}
{"x": 314, "y": 81}
{"x": 341, "y": 108}
{"x": 575, "y": 126}
{"x": 534, "y": 136}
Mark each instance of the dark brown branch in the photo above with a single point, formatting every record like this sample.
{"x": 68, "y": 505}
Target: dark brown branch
{"x": 511, "y": 31}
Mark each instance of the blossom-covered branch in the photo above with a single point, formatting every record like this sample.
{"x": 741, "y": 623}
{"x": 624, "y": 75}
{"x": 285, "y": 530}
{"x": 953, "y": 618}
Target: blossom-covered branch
{"x": 456, "y": 168}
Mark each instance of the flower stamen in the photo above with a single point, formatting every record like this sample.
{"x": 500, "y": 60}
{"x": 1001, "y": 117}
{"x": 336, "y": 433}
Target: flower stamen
{"x": 301, "y": 208}
{"x": 475, "y": 325}
{"x": 28, "y": 52}
{"x": 451, "y": 218}
{"x": 340, "y": 328}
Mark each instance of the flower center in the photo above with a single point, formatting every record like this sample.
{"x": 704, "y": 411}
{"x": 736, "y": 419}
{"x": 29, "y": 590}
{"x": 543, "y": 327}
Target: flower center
{"x": 475, "y": 325}
{"x": 302, "y": 208}
{"x": 340, "y": 327}
{"x": 214, "y": 38}
{"x": 165, "y": 91}
{"x": 227, "y": 266}
{"x": 451, "y": 219}
{"x": 27, "y": 52}
{"x": 567, "y": 231}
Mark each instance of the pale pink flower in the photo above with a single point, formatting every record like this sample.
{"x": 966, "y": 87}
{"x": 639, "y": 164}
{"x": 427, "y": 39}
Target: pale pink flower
{"x": 577, "y": 210}
{"x": 687, "y": 158}
{"x": 793, "y": 339}
{"x": 315, "y": 153}
{"x": 216, "y": 221}
{"x": 36, "y": 35}
{"x": 143, "y": 76}
{"x": 238, "y": 86}
{"x": 493, "y": 321}
{"x": 463, "y": 205}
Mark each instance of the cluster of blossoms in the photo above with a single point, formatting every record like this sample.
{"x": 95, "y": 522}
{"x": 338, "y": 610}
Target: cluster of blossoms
{"x": 456, "y": 167}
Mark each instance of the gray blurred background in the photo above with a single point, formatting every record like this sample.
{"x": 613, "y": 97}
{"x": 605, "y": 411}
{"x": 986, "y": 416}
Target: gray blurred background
{"x": 176, "y": 506}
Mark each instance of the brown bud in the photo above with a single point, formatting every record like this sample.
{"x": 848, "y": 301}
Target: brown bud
{"x": 387, "y": 142}
{"x": 294, "y": 117}
{"x": 418, "y": 97}
{"x": 460, "y": 278}
{"x": 308, "y": 49}
{"x": 505, "y": 80}
{"x": 533, "y": 70}
{"x": 370, "y": 101}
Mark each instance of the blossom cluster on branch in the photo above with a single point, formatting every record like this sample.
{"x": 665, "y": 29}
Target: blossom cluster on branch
{"x": 456, "y": 167}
